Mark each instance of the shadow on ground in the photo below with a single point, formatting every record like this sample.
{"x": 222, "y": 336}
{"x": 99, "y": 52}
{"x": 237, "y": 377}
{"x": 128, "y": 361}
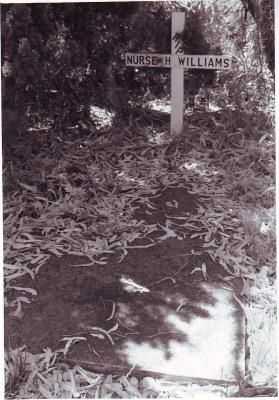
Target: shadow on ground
{"x": 182, "y": 320}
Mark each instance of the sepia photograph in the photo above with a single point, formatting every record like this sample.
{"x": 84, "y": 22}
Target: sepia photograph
{"x": 138, "y": 199}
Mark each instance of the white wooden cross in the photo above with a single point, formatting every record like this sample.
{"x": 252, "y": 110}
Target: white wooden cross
{"x": 177, "y": 61}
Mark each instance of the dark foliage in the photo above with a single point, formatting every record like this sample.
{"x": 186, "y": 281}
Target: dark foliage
{"x": 263, "y": 14}
{"x": 59, "y": 58}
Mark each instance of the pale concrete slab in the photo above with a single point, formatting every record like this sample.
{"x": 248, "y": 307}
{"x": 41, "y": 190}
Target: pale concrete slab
{"x": 214, "y": 346}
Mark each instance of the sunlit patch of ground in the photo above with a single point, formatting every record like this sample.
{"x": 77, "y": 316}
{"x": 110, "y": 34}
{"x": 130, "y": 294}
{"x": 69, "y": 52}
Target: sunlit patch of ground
{"x": 235, "y": 184}
{"x": 159, "y": 138}
{"x": 213, "y": 347}
{"x": 160, "y": 105}
{"x": 102, "y": 117}
{"x": 261, "y": 219}
{"x": 201, "y": 168}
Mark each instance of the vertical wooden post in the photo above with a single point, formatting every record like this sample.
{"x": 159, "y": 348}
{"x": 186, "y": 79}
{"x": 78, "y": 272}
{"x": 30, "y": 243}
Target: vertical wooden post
{"x": 177, "y": 75}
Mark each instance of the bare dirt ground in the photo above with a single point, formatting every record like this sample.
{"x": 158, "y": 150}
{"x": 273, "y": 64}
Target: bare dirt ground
{"x": 170, "y": 218}
{"x": 71, "y": 299}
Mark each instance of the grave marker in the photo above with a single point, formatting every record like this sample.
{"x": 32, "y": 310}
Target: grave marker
{"x": 177, "y": 61}
{"x": 177, "y": 74}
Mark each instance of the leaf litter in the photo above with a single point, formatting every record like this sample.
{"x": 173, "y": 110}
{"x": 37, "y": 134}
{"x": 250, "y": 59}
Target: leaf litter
{"x": 85, "y": 206}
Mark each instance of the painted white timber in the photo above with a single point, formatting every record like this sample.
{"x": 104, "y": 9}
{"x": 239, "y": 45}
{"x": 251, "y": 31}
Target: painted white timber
{"x": 177, "y": 61}
{"x": 177, "y": 75}
{"x": 182, "y": 61}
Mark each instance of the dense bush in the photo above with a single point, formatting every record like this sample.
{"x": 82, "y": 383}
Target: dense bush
{"x": 60, "y": 58}
{"x": 262, "y": 12}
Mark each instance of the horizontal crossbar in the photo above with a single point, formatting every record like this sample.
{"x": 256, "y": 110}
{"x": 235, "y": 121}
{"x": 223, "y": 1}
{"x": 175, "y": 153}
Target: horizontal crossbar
{"x": 182, "y": 61}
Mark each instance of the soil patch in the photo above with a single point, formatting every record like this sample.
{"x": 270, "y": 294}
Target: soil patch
{"x": 71, "y": 300}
